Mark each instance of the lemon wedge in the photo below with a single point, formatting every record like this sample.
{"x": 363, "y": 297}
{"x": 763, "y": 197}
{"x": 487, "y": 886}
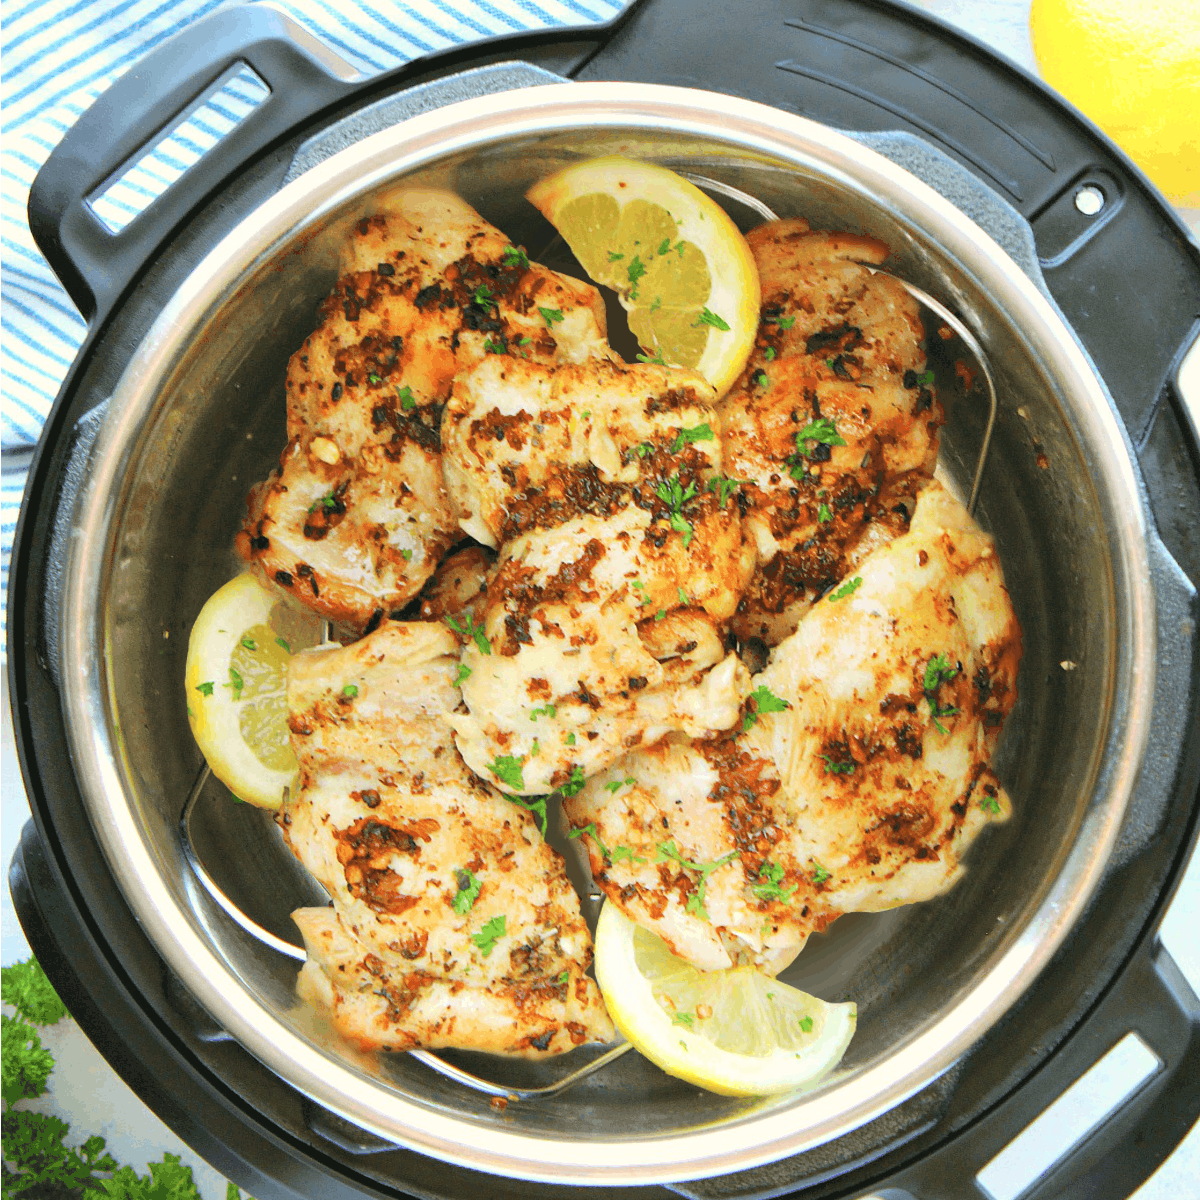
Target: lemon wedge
{"x": 738, "y": 1032}
{"x": 680, "y": 266}
{"x": 236, "y": 682}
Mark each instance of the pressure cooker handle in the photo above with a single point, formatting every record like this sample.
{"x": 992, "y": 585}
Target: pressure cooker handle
{"x": 142, "y": 107}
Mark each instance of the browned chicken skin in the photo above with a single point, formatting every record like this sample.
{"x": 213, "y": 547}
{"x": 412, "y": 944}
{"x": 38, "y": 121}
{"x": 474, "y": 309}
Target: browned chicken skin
{"x": 357, "y": 517}
{"x": 832, "y": 425}
{"x": 453, "y": 923}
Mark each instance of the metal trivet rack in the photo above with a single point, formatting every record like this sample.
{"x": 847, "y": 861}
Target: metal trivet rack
{"x": 293, "y": 951}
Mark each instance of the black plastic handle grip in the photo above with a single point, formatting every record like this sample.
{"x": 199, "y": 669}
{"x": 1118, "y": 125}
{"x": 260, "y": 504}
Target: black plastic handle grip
{"x": 96, "y": 265}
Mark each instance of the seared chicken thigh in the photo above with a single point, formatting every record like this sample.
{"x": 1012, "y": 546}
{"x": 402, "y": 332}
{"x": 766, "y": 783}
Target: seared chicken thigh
{"x": 858, "y": 777}
{"x": 621, "y": 556}
{"x": 357, "y": 517}
{"x": 453, "y": 923}
{"x": 832, "y": 426}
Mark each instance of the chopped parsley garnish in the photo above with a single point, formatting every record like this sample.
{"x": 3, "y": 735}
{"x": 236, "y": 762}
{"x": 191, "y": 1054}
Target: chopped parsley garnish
{"x": 249, "y": 643}
{"x": 614, "y": 257}
{"x": 820, "y": 874}
{"x": 708, "y": 317}
{"x": 664, "y": 245}
{"x": 724, "y": 487}
{"x": 508, "y": 769}
{"x": 683, "y": 598}
{"x": 786, "y": 322}
{"x": 821, "y": 432}
{"x": 760, "y": 377}
{"x": 925, "y": 378}
{"x": 535, "y": 749}
{"x": 618, "y": 784}
{"x": 326, "y": 502}
{"x": 491, "y": 347}
{"x": 490, "y": 934}
{"x": 658, "y": 358}
{"x": 938, "y": 671}
{"x": 350, "y": 691}
{"x": 824, "y": 514}
{"x": 564, "y": 977}
{"x": 661, "y": 615}
{"x": 236, "y": 682}
{"x": 514, "y": 256}
{"x": 373, "y": 378}
{"x": 806, "y": 1024}
{"x": 407, "y": 400}
{"x": 990, "y": 804}
{"x": 471, "y": 630}
{"x": 643, "y": 449}
{"x": 405, "y": 554}
{"x": 765, "y": 701}
{"x": 284, "y": 643}
{"x": 639, "y": 586}
{"x": 673, "y": 494}
{"x": 570, "y": 739}
{"x": 847, "y": 589}
{"x": 770, "y": 877}
{"x": 668, "y": 852}
{"x": 769, "y": 353}
{"x": 617, "y": 853}
{"x": 483, "y": 297}
{"x": 462, "y": 674}
{"x": 550, "y": 315}
{"x": 683, "y": 1018}
{"x": 536, "y": 807}
{"x": 833, "y": 767}
{"x": 524, "y": 341}
{"x": 468, "y": 891}
{"x": 205, "y": 689}
{"x": 685, "y": 437}
{"x": 637, "y": 269}
{"x": 547, "y": 711}
{"x": 575, "y": 783}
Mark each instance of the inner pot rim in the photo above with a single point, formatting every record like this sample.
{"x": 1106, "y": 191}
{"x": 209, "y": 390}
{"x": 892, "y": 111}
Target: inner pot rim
{"x": 89, "y": 701}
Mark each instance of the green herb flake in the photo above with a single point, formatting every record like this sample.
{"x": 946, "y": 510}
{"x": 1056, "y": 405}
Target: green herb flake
{"x": 469, "y": 887}
{"x": 407, "y": 400}
{"x": 279, "y": 641}
{"x": 822, "y": 431}
{"x": 833, "y": 767}
{"x": 658, "y": 358}
{"x": 938, "y": 671}
{"x": 490, "y": 934}
{"x": 406, "y": 555}
{"x": 786, "y": 322}
{"x": 483, "y": 297}
{"x": 683, "y": 598}
{"x": 551, "y": 315}
{"x": 514, "y": 256}
{"x": 564, "y": 977}
{"x": 770, "y": 879}
{"x": 536, "y": 806}
{"x": 769, "y": 354}
{"x": 686, "y": 437}
{"x": 990, "y": 804}
{"x": 819, "y": 873}
{"x": 637, "y": 269}
{"x": 724, "y": 487}
{"x": 462, "y": 674}
{"x": 468, "y": 629}
{"x": 574, "y": 783}
{"x": 765, "y": 701}
{"x": 490, "y": 347}
{"x": 669, "y": 852}
{"x": 206, "y": 688}
{"x": 707, "y": 317}
{"x": 570, "y": 739}
{"x": 806, "y": 1024}
{"x": 664, "y": 245}
{"x": 847, "y": 589}
{"x": 548, "y": 710}
{"x": 236, "y": 682}
{"x": 535, "y": 749}
{"x": 350, "y": 690}
{"x": 508, "y": 769}
{"x": 673, "y": 494}
{"x": 683, "y": 1018}
{"x": 249, "y": 643}
{"x": 614, "y": 257}
{"x": 824, "y": 514}
{"x": 373, "y": 378}
{"x": 925, "y": 378}
{"x": 760, "y": 378}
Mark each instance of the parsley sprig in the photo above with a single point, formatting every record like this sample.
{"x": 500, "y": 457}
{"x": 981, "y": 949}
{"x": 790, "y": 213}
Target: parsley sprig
{"x": 674, "y": 495}
{"x": 508, "y": 769}
{"x": 469, "y": 887}
{"x": 490, "y": 934}
{"x": 669, "y": 852}
{"x": 764, "y": 701}
{"x": 469, "y": 629}
{"x": 938, "y": 670}
{"x": 686, "y": 437}
{"x": 615, "y": 855}
{"x": 770, "y": 879}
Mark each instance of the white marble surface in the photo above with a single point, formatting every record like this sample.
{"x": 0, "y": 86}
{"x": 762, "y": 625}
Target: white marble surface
{"x": 88, "y": 1094}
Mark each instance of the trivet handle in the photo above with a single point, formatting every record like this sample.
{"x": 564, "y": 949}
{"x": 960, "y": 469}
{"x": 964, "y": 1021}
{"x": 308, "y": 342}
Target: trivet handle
{"x": 95, "y": 264}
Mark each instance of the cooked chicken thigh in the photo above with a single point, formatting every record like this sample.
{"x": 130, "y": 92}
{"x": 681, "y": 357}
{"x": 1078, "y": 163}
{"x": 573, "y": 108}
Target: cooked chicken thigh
{"x": 453, "y": 923}
{"x": 357, "y": 517}
{"x": 620, "y": 559}
{"x": 860, "y": 773}
{"x": 832, "y": 425}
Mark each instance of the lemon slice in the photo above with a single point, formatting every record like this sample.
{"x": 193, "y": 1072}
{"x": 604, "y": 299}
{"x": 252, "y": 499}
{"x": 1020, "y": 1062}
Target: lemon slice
{"x": 678, "y": 263}
{"x": 236, "y": 681}
{"x": 738, "y": 1032}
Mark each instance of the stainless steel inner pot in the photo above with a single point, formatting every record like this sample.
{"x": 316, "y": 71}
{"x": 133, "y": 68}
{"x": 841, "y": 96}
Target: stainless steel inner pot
{"x": 198, "y": 416}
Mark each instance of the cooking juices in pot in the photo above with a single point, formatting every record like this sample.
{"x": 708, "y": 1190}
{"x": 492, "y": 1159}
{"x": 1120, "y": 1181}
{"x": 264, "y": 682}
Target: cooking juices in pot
{"x": 736, "y": 634}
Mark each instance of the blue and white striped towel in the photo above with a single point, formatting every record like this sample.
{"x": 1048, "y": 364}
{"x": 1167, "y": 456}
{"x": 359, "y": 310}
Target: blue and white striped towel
{"x": 59, "y": 55}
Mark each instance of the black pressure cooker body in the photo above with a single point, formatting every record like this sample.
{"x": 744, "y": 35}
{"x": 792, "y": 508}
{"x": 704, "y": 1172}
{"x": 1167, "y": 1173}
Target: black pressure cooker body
{"x": 1127, "y": 280}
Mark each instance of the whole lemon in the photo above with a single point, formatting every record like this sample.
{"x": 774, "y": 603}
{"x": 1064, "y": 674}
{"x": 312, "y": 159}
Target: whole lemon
{"x": 1133, "y": 67}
